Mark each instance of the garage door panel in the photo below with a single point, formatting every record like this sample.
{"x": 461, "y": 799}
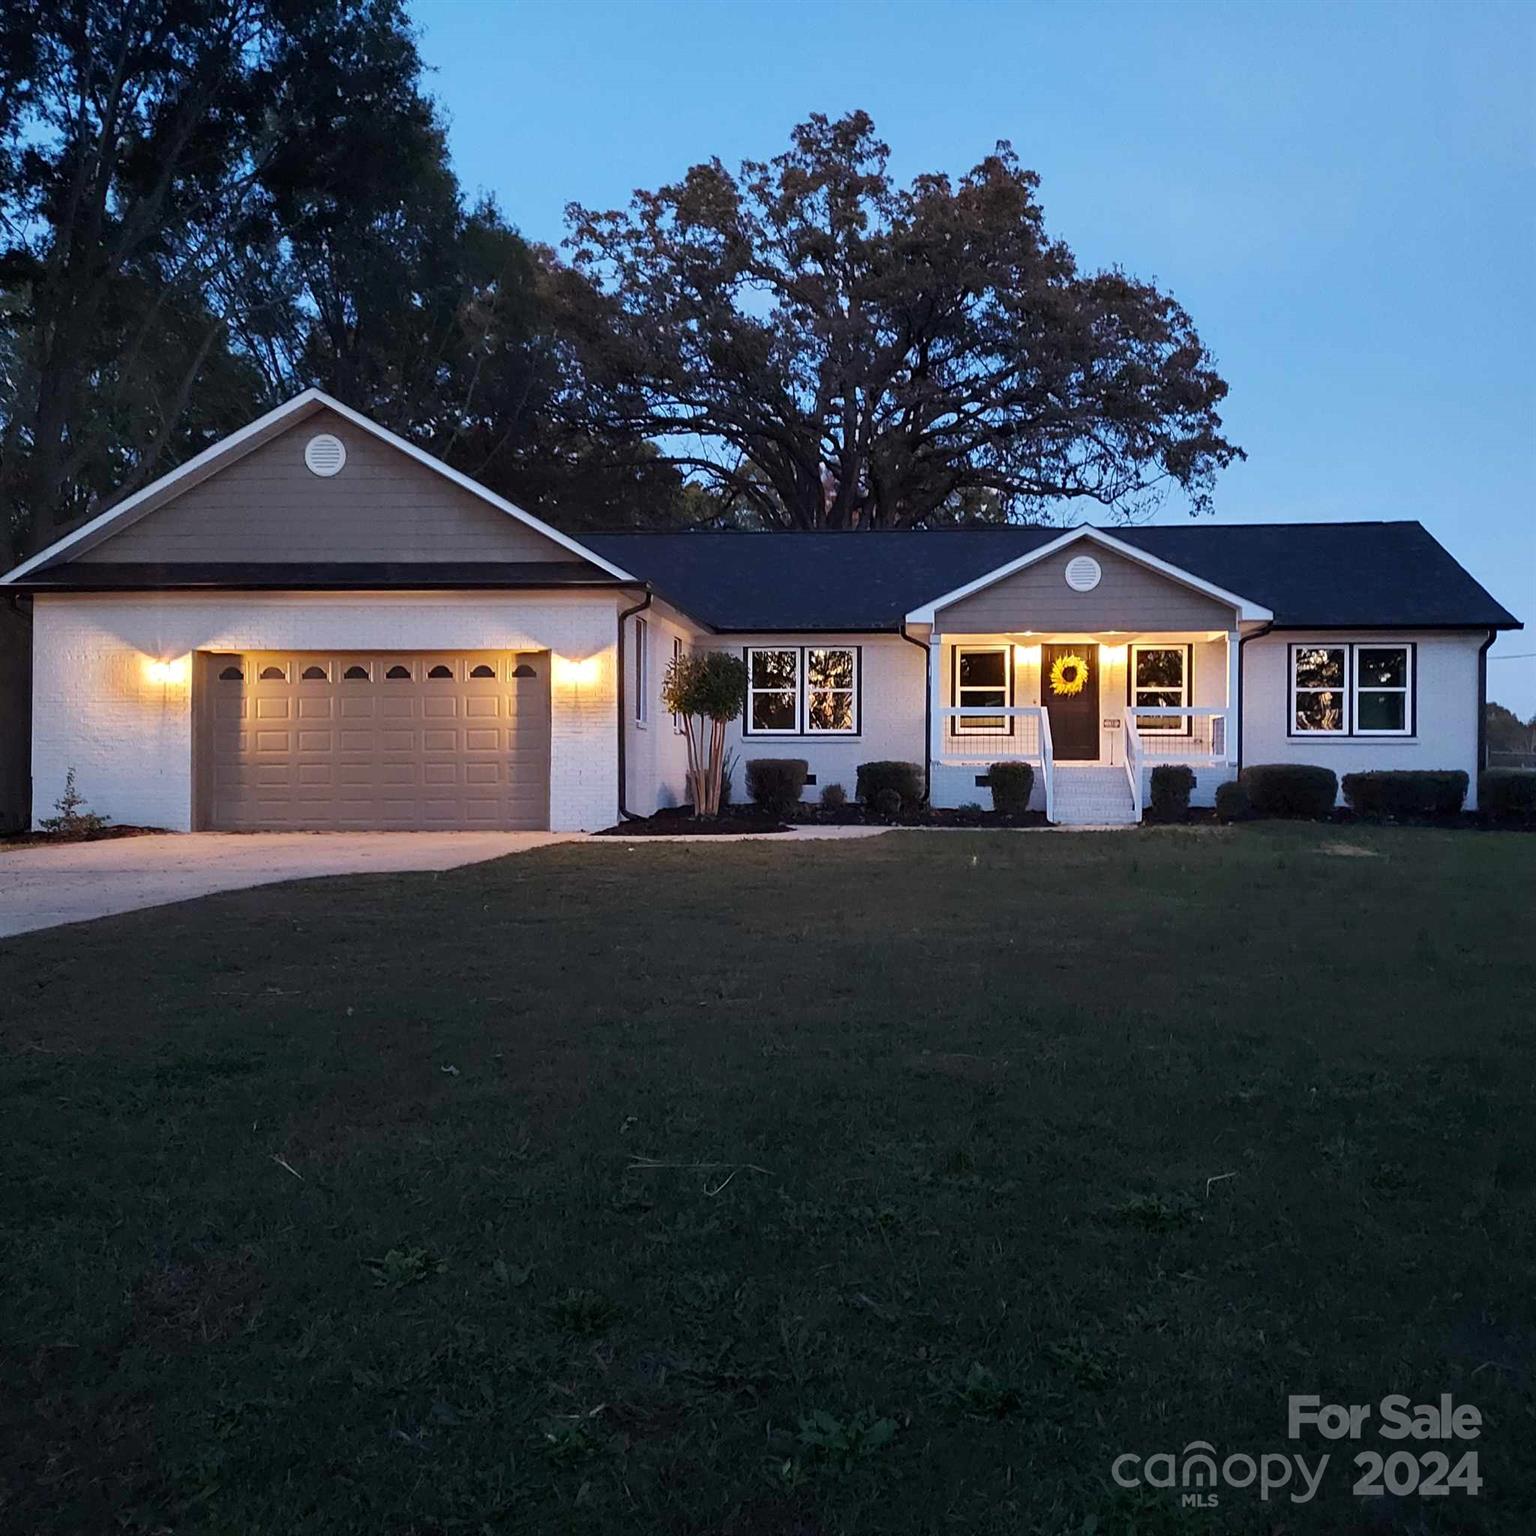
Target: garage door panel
{"x": 334, "y": 741}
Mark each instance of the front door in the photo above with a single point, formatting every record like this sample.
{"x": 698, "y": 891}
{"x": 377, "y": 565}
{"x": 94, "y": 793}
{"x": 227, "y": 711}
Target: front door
{"x": 1069, "y": 689}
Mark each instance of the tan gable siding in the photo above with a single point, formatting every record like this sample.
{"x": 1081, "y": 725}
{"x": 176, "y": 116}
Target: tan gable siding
{"x": 384, "y": 505}
{"x": 1128, "y": 597}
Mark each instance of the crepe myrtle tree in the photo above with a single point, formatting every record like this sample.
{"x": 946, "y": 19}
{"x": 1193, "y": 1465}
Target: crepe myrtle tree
{"x": 706, "y": 692}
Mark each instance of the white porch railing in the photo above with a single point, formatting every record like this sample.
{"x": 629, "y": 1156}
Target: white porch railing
{"x": 980, "y": 735}
{"x": 1131, "y": 755}
{"x": 1202, "y": 735}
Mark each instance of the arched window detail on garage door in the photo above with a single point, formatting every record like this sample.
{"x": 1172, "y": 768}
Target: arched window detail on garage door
{"x": 314, "y": 674}
{"x": 232, "y": 675}
{"x": 482, "y": 671}
{"x": 523, "y": 670}
{"x": 440, "y": 671}
{"x": 356, "y": 673}
{"x": 398, "y": 673}
{"x": 273, "y": 673}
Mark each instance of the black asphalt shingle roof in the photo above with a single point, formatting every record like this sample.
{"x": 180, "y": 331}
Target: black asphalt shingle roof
{"x": 1312, "y": 575}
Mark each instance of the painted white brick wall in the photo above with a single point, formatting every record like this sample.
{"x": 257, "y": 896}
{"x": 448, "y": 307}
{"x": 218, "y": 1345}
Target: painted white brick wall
{"x": 655, "y": 756}
{"x": 1446, "y": 733}
{"x": 129, "y": 740}
{"x": 892, "y": 718}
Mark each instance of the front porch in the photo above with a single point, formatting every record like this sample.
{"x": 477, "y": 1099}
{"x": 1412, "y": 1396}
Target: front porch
{"x": 1092, "y": 713}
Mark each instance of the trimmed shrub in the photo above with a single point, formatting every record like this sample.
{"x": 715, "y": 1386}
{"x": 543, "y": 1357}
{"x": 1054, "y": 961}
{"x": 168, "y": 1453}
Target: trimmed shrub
{"x": 1291, "y": 789}
{"x": 775, "y": 783}
{"x": 1406, "y": 792}
{"x": 833, "y": 797}
{"x": 1172, "y": 785}
{"x": 1507, "y": 794}
{"x": 1232, "y": 802}
{"x": 905, "y": 779}
{"x": 887, "y": 802}
{"x": 1011, "y": 784}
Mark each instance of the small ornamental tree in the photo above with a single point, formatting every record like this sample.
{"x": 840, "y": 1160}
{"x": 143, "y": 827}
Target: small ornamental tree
{"x": 706, "y": 692}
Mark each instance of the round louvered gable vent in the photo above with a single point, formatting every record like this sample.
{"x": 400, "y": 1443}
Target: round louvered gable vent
{"x": 1083, "y": 573}
{"x": 324, "y": 454}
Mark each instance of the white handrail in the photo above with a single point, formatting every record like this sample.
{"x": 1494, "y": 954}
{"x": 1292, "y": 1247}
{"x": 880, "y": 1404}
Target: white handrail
{"x": 1132, "y": 756}
{"x": 1047, "y": 765}
{"x": 1218, "y": 737}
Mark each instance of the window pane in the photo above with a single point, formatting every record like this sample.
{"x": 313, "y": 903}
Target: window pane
{"x": 1147, "y": 698}
{"x": 1162, "y": 668}
{"x": 983, "y": 698}
{"x": 1161, "y": 725}
{"x": 1320, "y": 711}
{"x": 1320, "y": 667}
{"x": 773, "y": 711}
{"x": 829, "y": 669}
{"x": 831, "y": 711}
{"x": 1381, "y": 711}
{"x": 989, "y": 668}
{"x": 1381, "y": 667}
{"x": 774, "y": 669}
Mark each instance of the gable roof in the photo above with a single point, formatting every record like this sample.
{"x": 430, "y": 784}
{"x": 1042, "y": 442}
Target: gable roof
{"x": 237, "y": 445}
{"x": 1246, "y": 608}
{"x": 1309, "y": 575}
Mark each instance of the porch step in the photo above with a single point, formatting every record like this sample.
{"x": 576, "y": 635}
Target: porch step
{"x": 1091, "y": 797}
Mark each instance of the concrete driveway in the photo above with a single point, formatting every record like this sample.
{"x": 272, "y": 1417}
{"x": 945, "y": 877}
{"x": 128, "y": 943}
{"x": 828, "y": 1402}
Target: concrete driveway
{"x": 42, "y": 887}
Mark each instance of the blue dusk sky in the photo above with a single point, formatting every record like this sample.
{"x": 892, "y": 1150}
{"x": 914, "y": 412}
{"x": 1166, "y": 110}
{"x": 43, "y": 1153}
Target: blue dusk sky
{"x": 1342, "y": 196}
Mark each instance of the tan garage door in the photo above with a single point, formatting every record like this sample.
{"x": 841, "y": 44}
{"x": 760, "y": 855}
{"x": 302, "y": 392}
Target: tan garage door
{"x": 386, "y": 739}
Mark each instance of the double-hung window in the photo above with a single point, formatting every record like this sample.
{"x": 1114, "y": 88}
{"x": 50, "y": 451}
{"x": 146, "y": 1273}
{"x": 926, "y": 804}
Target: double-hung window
{"x": 802, "y": 690}
{"x": 983, "y": 679}
{"x": 1320, "y": 690}
{"x": 642, "y": 670}
{"x": 1383, "y": 690}
{"x": 1159, "y": 676}
{"x": 1351, "y": 690}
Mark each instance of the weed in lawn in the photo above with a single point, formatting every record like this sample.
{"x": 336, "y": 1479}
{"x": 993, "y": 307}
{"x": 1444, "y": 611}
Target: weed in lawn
{"x": 983, "y": 1396}
{"x": 1091, "y": 1369}
{"x": 585, "y": 1313}
{"x": 1151, "y": 1213}
{"x": 843, "y": 1443}
{"x": 401, "y": 1267}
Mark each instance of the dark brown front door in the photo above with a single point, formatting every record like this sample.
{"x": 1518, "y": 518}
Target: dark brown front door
{"x": 1069, "y": 689}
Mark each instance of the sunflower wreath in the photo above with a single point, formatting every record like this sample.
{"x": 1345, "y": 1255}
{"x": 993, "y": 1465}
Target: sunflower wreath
{"x": 1068, "y": 674}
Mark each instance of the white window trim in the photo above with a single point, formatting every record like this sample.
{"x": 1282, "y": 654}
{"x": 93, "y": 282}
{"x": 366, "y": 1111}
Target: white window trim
{"x": 802, "y": 692}
{"x": 747, "y": 728}
{"x": 677, "y": 655}
{"x": 642, "y": 673}
{"x": 1355, "y": 690}
{"x": 1293, "y": 692}
{"x": 1186, "y": 724}
{"x": 979, "y": 727}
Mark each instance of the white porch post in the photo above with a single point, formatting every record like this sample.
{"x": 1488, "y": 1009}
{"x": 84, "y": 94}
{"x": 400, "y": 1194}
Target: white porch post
{"x": 935, "y": 702}
{"x": 1234, "y": 689}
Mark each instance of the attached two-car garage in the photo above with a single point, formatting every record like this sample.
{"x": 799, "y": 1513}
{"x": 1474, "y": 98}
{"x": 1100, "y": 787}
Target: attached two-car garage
{"x": 312, "y": 741}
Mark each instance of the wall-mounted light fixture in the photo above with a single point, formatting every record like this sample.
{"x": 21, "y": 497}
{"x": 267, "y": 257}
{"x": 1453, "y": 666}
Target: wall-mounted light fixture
{"x": 578, "y": 670}
{"x": 1026, "y": 655}
{"x": 167, "y": 673}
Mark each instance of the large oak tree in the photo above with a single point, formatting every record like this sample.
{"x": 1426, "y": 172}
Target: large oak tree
{"x": 823, "y": 348}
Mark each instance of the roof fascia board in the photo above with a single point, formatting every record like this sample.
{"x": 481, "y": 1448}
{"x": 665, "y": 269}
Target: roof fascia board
{"x": 251, "y": 436}
{"x": 1246, "y": 608}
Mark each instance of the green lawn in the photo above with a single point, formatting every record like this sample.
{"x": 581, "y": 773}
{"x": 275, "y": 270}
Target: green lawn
{"x": 879, "y": 1187}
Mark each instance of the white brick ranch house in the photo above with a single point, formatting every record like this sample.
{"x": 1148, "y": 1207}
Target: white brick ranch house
{"x": 315, "y": 625}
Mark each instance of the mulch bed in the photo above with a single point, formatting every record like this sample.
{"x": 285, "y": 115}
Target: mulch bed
{"x": 64, "y": 840}
{"x": 679, "y": 821}
{"x": 738, "y": 821}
